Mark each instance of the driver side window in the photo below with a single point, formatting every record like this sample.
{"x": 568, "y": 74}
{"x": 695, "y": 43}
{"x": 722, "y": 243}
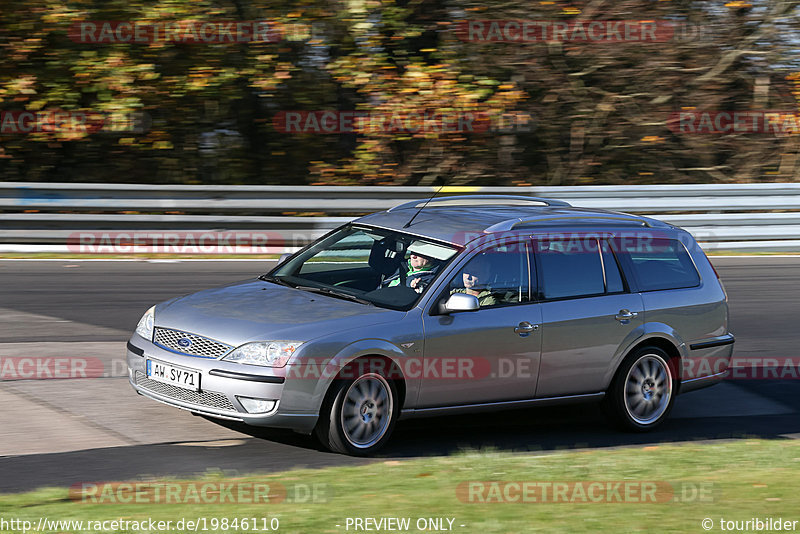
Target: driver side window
{"x": 497, "y": 276}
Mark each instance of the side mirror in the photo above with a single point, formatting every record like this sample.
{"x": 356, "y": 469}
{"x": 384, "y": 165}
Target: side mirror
{"x": 283, "y": 258}
{"x": 458, "y": 302}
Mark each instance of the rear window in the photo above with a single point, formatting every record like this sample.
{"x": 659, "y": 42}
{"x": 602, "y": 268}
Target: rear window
{"x": 659, "y": 263}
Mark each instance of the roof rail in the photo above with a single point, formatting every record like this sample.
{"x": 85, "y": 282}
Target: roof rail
{"x": 510, "y": 224}
{"x": 498, "y": 200}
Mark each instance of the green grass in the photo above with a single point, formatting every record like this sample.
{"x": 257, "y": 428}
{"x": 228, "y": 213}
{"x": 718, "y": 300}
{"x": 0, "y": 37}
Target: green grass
{"x": 750, "y": 478}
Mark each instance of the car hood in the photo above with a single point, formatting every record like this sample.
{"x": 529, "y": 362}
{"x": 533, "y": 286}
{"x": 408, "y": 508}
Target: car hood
{"x": 255, "y": 310}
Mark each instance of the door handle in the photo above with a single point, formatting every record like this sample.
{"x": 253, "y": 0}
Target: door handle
{"x": 625, "y": 315}
{"x": 524, "y": 328}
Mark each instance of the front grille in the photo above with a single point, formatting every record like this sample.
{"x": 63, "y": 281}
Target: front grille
{"x": 200, "y": 346}
{"x": 211, "y": 399}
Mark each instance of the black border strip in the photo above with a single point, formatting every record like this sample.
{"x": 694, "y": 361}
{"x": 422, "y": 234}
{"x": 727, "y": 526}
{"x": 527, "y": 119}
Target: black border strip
{"x": 713, "y": 343}
{"x": 249, "y": 378}
{"x": 134, "y": 349}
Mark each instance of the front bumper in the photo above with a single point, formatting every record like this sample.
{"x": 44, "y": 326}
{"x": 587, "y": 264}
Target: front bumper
{"x": 221, "y": 384}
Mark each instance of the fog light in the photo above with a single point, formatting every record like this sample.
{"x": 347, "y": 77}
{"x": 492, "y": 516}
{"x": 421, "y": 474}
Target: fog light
{"x": 257, "y": 405}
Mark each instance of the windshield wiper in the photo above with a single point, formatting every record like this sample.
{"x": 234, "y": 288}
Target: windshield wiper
{"x": 275, "y": 280}
{"x": 332, "y": 293}
{"x": 313, "y": 289}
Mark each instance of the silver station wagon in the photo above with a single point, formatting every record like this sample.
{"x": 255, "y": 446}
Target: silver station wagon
{"x": 453, "y": 305}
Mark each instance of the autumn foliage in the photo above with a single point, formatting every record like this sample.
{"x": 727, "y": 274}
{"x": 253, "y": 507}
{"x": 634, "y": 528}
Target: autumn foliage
{"x": 396, "y": 92}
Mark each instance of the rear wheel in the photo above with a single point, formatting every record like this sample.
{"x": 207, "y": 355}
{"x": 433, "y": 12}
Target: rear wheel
{"x": 643, "y": 391}
{"x": 359, "y": 415}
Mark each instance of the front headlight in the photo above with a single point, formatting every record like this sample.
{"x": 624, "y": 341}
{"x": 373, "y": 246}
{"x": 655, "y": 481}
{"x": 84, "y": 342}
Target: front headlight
{"x": 264, "y": 353}
{"x": 145, "y": 326}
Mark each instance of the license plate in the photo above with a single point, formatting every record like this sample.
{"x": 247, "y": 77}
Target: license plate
{"x": 174, "y": 376}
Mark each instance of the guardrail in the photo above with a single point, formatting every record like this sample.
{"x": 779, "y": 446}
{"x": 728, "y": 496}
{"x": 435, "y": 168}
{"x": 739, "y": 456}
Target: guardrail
{"x": 756, "y": 217}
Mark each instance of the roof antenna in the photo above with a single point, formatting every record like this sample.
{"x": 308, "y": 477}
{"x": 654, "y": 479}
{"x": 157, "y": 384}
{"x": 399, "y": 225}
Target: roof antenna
{"x": 426, "y": 203}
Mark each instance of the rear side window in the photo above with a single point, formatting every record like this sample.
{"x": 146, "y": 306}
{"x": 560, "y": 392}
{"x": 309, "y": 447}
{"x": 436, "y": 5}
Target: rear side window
{"x": 659, "y": 263}
{"x": 569, "y": 268}
{"x": 614, "y": 282}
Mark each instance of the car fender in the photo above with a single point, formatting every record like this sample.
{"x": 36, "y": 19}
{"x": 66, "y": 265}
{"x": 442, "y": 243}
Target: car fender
{"x": 637, "y": 336}
{"x": 358, "y": 349}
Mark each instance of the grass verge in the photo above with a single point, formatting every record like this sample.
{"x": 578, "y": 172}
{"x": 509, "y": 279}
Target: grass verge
{"x": 737, "y": 480}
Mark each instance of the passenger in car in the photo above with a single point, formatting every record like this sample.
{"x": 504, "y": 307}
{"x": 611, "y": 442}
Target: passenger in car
{"x": 475, "y": 277}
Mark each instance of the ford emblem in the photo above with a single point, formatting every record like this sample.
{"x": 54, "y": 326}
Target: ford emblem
{"x": 184, "y": 342}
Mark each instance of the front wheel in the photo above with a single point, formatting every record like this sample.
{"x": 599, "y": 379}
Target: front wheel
{"x": 643, "y": 391}
{"x": 359, "y": 416}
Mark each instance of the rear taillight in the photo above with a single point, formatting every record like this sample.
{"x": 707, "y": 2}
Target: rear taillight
{"x": 712, "y": 267}
{"x": 721, "y": 285}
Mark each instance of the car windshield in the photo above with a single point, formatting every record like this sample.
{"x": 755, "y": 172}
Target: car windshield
{"x": 368, "y": 265}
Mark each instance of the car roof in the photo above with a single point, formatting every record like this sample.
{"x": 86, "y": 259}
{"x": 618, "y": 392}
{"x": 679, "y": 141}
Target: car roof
{"x": 461, "y": 219}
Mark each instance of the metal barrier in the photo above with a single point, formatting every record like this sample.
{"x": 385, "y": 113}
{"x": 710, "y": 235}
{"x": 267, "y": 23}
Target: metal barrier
{"x": 755, "y": 217}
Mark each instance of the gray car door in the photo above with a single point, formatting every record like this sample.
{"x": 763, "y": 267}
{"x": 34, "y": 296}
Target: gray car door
{"x": 499, "y": 343}
{"x": 587, "y": 314}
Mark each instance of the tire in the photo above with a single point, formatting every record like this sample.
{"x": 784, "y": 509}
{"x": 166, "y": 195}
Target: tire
{"x": 359, "y": 414}
{"x": 643, "y": 390}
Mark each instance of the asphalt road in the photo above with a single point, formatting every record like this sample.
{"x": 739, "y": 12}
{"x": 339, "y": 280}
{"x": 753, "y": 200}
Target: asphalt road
{"x": 60, "y": 432}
